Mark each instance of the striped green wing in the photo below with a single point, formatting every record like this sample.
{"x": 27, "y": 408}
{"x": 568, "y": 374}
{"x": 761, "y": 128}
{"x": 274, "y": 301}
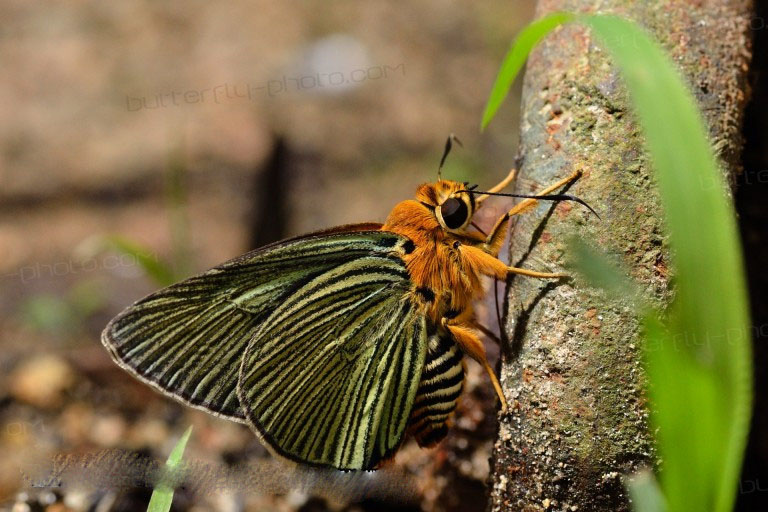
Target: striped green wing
{"x": 188, "y": 340}
{"x": 330, "y": 377}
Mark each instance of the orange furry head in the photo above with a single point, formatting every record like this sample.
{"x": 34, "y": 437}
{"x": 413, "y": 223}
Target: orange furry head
{"x": 452, "y": 202}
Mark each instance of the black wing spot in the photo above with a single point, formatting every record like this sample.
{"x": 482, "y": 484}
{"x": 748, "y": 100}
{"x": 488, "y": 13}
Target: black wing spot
{"x": 425, "y": 292}
{"x": 389, "y": 241}
{"x": 409, "y": 246}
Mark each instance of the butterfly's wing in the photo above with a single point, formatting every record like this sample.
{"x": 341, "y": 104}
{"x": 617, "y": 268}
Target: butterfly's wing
{"x": 331, "y": 375}
{"x": 188, "y": 340}
{"x": 442, "y": 381}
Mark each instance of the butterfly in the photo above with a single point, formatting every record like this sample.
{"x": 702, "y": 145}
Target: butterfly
{"x": 336, "y": 345}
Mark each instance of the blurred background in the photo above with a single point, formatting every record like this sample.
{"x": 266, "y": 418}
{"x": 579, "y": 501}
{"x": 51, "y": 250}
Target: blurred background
{"x": 142, "y": 142}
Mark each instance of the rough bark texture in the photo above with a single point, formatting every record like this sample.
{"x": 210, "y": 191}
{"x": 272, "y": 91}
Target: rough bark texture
{"x": 571, "y": 367}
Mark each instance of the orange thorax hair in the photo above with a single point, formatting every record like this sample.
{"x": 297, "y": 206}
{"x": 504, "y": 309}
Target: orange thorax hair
{"x": 436, "y": 262}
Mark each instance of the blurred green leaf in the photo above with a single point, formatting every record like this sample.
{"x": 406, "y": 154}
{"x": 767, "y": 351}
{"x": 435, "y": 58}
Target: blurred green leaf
{"x": 162, "y": 496}
{"x": 47, "y": 312}
{"x": 645, "y": 493}
{"x": 158, "y": 271}
{"x": 710, "y": 305}
{"x": 683, "y": 393}
{"x": 600, "y": 271}
{"x": 63, "y": 315}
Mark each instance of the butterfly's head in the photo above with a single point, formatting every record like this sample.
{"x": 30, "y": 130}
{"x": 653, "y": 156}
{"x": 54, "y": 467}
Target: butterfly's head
{"x": 452, "y": 202}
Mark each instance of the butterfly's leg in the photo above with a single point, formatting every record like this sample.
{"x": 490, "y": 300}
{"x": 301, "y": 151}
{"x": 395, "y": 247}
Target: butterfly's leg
{"x": 497, "y": 188}
{"x": 471, "y": 345}
{"x": 495, "y": 238}
{"x": 490, "y": 265}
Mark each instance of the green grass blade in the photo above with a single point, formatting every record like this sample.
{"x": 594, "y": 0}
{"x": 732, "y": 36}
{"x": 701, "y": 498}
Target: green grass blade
{"x": 162, "y": 496}
{"x": 515, "y": 58}
{"x": 684, "y": 395}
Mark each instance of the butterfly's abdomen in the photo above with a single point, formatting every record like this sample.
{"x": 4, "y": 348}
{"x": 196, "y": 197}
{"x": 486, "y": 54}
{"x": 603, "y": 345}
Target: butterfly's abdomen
{"x": 442, "y": 381}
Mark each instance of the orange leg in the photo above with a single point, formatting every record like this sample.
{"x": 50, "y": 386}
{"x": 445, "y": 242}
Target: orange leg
{"x": 490, "y": 265}
{"x": 496, "y": 236}
{"x": 471, "y": 345}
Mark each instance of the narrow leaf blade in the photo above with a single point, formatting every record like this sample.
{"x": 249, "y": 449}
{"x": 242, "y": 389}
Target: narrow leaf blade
{"x": 515, "y": 58}
{"x": 710, "y": 306}
{"x": 162, "y": 496}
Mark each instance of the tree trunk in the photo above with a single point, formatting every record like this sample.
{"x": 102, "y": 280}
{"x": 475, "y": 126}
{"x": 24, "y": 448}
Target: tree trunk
{"x": 571, "y": 366}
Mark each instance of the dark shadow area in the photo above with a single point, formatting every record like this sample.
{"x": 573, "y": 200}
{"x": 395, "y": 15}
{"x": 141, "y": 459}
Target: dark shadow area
{"x": 752, "y": 208}
{"x": 515, "y": 345}
{"x": 269, "y": 213}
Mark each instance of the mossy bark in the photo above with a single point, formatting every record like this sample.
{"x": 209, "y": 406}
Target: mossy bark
{"x": 571, "y": 366}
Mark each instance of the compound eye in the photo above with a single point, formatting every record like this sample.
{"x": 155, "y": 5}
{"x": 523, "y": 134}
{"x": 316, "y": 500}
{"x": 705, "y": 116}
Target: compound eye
{"x": 454, "y": 213}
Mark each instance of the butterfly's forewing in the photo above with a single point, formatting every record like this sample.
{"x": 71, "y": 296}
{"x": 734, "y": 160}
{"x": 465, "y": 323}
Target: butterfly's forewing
{"x": 188, "y": 340}
{"x": 331, "y": 375}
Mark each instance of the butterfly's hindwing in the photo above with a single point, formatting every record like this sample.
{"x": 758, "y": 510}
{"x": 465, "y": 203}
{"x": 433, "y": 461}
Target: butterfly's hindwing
{"x": 188, "y": 340}
{"x": 441, "y": 384}
{"x": 331, "y": 375}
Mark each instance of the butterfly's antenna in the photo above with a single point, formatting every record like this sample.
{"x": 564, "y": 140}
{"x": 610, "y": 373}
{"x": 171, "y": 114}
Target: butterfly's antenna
{"x": 548, "y": 197}
{"x": 448, "y": 145}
